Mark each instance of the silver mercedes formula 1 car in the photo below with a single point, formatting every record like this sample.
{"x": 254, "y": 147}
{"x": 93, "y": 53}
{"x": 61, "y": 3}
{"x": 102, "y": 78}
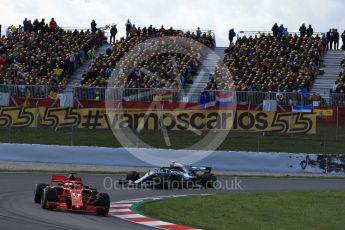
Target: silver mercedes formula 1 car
{"x": 173, "y": 177}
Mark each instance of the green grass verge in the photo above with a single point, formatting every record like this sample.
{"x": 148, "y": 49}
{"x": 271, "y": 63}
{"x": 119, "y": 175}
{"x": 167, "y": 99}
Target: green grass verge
{"x": 276, "y": 210}
{"x": 322, "y": 142}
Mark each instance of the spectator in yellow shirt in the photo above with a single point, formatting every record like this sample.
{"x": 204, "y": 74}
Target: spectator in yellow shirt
{"x": 13, "y": 29}
{"x": 58, "y": 71}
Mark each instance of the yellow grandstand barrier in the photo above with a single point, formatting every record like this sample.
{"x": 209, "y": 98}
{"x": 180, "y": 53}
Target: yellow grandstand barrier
{"x": 323, "y": 112}
{"x": 100, "y": 118}
{"x": 163, "y": 96}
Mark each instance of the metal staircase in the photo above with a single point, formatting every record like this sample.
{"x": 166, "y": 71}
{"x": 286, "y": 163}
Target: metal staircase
{"x": 75, "y": 78}
{"x": 193, "y": 91}
{"x": 324, "y": 82}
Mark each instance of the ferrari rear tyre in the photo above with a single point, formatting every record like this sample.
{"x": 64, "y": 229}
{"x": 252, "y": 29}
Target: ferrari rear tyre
{"x": 38, "y": 192}
{"x": 104, "y": 201}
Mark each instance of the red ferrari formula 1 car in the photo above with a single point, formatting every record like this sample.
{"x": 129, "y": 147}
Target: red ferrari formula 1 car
{"x": 69, "y": 193}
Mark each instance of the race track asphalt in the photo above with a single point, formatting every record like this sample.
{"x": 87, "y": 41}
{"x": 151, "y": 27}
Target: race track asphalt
{"x": 18, "y": 211}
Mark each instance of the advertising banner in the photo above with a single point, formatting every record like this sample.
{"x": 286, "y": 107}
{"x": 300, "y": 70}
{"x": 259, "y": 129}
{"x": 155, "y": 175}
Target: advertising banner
{"x": 100, "y": 118}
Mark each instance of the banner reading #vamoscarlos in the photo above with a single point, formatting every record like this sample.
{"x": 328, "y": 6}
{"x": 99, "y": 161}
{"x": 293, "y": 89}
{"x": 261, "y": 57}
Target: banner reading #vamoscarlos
{"x": 100, "y": 118}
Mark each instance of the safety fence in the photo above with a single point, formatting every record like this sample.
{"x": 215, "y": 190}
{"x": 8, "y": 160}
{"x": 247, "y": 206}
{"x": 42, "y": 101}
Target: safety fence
{"x": 104, "y": 29}
{"x": 175, "y": 95}
{"x": 257, "y": 33}
{"x": 29, "y": 91}
{"x": 242, "y": 97}
{"x": 254, "y": 33}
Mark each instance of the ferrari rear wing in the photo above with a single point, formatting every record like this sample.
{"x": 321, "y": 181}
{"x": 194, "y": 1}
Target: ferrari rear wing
{"x": 59, "y": 178}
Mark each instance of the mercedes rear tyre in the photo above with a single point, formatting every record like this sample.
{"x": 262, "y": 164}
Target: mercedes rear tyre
{"x": 208, "y": 180}
{"x": 103, "y": 200}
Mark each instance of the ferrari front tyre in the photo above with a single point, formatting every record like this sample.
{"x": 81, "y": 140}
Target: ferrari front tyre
{"x": 103, "y": 201}
{"x": 132, "y": 176}
{"x": 38, "y": 192}
{"x": 49, "y": 195}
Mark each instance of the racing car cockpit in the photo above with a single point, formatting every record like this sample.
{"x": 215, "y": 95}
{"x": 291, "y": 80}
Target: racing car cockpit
{"x": 71, "y": 176}
{"x": 72, "y": 185}
{"x": 178, "y": 167}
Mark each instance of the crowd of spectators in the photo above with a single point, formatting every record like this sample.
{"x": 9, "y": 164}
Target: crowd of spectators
{"x": 161, "y": 70}
{"x": 278, "y": 62}
{"x": 41, "y": 53}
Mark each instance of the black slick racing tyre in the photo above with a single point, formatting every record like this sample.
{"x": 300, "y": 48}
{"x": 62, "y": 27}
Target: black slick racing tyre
{"x": 208, "y": 180}
{"x": 38, "y": 192}
{"x": 104, "y": 201}
{"x": 49, "y": 195}
{"x": 133, "y": 176}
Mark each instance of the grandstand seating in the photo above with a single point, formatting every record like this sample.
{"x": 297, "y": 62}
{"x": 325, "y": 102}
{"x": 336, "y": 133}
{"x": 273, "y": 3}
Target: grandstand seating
{"x": 257, "y": 63}
{"x": 270, "y": 63}
{"x": 43, "y": 57}
{"x": 164, "y": 67}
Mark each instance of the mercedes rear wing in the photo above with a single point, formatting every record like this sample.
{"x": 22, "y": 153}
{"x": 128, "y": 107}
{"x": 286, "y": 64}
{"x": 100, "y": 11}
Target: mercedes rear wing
{"x": 201, "y": 168}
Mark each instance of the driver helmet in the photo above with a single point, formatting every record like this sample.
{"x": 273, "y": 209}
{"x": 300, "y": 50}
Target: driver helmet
{"x": 172, "y": 164}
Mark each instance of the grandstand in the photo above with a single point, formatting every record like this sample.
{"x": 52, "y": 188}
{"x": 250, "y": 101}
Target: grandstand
{"x": 44, "y": 55}
{"x": 71, "y": 68}
{"x": 271, "y": 63}
{"x": 100, "y": 70}
{"x": 261, "y": 65}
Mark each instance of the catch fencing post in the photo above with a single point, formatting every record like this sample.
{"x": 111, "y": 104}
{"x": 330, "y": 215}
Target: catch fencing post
{"x": 36, "y": 116}
{"x": 72, "y": 135}
{"x": 258, "y": 144}
{"x": 337, "y": 125}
